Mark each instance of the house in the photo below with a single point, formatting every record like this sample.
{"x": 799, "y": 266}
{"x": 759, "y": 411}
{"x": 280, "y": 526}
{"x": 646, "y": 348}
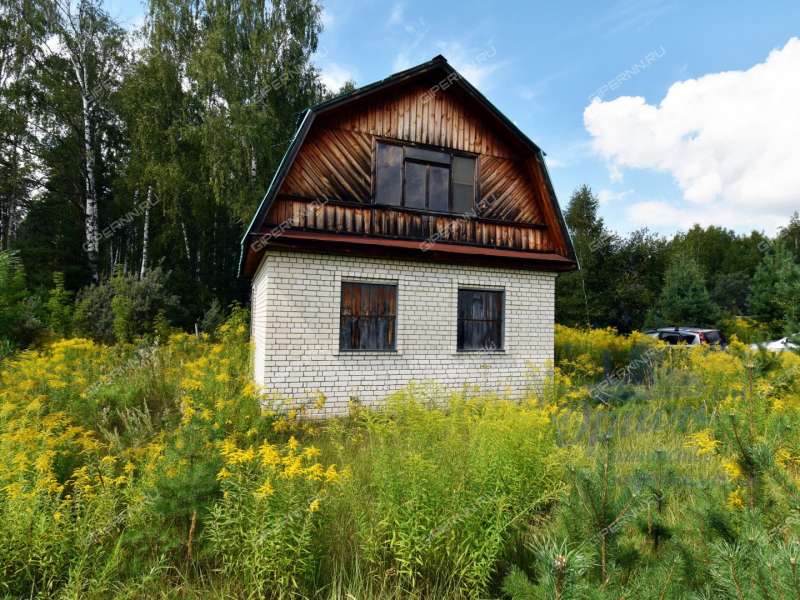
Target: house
{"x": 410, "y": 233}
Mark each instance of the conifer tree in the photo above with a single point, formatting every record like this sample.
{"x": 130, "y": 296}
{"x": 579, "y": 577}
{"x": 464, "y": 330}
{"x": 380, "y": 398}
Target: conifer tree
{"x": 775, "y": 296}
{"x": 684, "y": 298}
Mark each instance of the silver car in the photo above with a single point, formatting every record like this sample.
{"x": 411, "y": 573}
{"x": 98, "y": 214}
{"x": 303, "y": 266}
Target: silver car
{"x": 691, "y": 336}
{"x": 789, "y": 343}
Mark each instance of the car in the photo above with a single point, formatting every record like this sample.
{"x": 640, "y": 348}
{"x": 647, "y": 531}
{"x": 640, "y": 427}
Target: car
{"x": 791, "y": 342}
{"x": 691, "y": 336}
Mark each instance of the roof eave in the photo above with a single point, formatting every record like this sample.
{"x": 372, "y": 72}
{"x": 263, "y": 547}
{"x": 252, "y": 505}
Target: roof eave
{"x": 277, "y": 180}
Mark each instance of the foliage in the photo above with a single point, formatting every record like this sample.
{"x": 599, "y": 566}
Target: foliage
{"x": 125, "y": 307}
{"x": 93, "y": 317}
{"x": 684, "y": 299}
{"x": 623, "y": 277}
{"x": 590, "y": 353}
{"x": 579, "y": 302}
{"x": 451, "y": 478}
{"x": 59, "y": 307}
{"x": 153, "y": 470}
{"x": 776, "y": 289}
{"x": 746, "y": 329}
{"x": 19, "y": 323}
{"x": 190, "y": 113}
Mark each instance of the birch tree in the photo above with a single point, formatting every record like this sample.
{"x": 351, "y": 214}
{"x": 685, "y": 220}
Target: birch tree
{"x": 93, "y": 46}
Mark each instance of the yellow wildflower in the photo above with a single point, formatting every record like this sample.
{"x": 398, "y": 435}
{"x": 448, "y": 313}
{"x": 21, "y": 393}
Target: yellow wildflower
{"x": 314, "y": 506}
{"x": 732, "y": 468}
{"x": 265, "y": 490}
{"x": 311, "y": 452}
{"x": 191, "y": 384}
{"x": 269, "y": 455}
{"x": 735, "y": 499}
{"x": 704, "y": 441}
{"x": 293, "y": 467}
{"x": 331, "y": 475}
{"x": 782, "y": 457}
{"x": 315, "y": 472}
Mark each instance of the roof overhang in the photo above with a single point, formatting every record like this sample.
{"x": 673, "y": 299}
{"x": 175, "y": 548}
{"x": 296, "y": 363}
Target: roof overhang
{"x": 341, "y": 243}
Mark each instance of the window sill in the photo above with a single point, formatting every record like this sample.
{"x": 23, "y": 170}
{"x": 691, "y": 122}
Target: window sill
{"x": 480, "y": 352}
{"x": 367, "y": 353}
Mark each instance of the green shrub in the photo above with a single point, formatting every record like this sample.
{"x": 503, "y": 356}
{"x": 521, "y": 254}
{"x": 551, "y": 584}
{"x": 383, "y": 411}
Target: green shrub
{"x": 125, "y": 307}
{"x": 93, "y": 316}
{"x": 59, "y": 307}
{"x": 20, "y": 321}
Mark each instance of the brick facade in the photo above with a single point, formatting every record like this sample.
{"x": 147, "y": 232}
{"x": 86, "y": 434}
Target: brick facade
{"x": 295, "y": 329}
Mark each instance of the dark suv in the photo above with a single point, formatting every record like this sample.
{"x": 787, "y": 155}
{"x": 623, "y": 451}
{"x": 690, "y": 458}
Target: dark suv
{"x": 691, "y": 336}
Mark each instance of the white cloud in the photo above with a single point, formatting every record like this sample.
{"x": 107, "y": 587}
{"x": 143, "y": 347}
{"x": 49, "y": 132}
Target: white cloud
{"x": 401, "y": 62}
{"x": 334, "y": 76}
{"x": 729, "y": 140}
{"x": 397, "y": 13}
{"x": 667, "y": 216}
{"x": 477, "y": 64}
{"x": 605, "y": 196}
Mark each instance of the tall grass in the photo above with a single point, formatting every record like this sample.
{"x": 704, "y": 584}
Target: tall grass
{"x": 141, "y": 472}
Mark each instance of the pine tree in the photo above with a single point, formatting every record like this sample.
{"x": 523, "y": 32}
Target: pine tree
{"x": 59, "y": 307}
{"x": 581, "y": 295}
{"x": 684, "y": 298}
{"x": 775, "y": 296}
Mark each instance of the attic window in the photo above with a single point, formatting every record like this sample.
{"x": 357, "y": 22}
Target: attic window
{"x": 424, "y": 178}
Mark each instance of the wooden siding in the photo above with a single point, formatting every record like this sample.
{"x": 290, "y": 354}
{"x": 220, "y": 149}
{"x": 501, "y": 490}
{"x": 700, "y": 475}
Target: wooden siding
{"x": 336, "y": 159}
{"x": 397, "y": 223}
{"x": 335, "y": 164}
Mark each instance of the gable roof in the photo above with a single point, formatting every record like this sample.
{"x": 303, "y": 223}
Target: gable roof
{"x": 439, "y": 63}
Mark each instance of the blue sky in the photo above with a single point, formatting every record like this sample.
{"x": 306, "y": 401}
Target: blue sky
{"x": 721, "y": 149}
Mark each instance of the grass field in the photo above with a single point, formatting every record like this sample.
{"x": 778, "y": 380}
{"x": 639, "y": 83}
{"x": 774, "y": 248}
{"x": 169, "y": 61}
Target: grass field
{"x": 637, "y": 471}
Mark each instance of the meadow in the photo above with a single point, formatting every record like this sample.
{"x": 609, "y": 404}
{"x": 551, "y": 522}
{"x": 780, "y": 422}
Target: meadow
{"x": 151, "y": 470}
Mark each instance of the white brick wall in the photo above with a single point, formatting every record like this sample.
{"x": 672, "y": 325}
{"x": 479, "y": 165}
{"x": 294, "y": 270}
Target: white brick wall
{"x": 296, "y": 300}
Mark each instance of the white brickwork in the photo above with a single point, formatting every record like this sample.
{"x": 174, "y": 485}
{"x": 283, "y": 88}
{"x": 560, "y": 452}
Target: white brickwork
{"x": 296, "y": 297}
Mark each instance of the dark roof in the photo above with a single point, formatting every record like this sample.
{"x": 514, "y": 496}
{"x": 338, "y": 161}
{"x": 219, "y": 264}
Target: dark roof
{"x": 438, "y": 62}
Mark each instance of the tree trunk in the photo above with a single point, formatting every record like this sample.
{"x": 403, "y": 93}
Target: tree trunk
{"x": 92, "y": 244}
{"x": 146, "y": 232}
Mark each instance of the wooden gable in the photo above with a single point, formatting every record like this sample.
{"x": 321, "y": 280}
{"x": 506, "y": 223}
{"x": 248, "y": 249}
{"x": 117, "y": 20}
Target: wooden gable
{"x": 327, "y": 186}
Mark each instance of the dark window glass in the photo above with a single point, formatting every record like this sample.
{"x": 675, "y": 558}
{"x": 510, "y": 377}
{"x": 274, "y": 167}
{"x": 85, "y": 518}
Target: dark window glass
{"x": 389, "y": 175}
{"x": 463, "y": 184}
{"x": 424, "y": 179}
{"x": 439, "y": 188}
{"x": 480, "y": 320}
{"x": 368, "y": 316}
{"x": 416, "y": 187}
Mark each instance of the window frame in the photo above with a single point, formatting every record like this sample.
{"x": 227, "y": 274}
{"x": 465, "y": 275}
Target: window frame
{"x": 452, "y": 152}
{"x": 476, "y": 288}
{"x": 361, "y": 282}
